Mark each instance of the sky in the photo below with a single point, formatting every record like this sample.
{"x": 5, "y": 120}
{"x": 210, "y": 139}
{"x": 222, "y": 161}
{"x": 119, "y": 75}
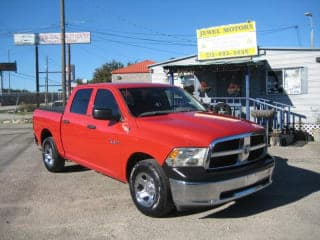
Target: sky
{"x": 129, "y": 31}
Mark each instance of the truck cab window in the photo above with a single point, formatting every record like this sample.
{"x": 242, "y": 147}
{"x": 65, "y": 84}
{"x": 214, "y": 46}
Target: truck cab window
{"x": 105, "y": 100}
{"x": 81, "y": 101}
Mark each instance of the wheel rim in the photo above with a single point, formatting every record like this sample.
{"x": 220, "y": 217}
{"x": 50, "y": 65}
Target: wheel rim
{"x": 145, "y": 189}
{"x": 48, "y": 155}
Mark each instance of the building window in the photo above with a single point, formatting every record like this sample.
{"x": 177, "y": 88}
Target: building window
{"x": 274, "y": 82}
{"x": 291, "y": 81}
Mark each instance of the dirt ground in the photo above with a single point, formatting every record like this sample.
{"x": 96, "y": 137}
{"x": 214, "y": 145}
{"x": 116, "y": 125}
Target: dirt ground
{"x": 82, "y": 204}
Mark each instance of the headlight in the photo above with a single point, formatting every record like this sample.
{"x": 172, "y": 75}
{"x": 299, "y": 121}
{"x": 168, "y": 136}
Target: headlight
{"x": 187, "y": 157}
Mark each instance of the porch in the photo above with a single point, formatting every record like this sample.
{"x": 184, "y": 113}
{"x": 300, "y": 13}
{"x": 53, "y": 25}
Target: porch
{"x": 280, "y": 122}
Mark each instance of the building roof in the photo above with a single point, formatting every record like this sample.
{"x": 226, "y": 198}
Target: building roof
{"x": 122, "y": 85}
{"x": 192, "y": 60}
{"x": 140, "y": 67}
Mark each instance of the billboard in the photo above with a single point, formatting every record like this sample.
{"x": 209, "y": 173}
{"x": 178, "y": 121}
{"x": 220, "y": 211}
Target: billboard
{"x": 51, "y": 38}
{"x": 227, "y": 41}
{"x": 71, "y": 38}
{"x": 8, "y": 66}
{"x": 24, "y": 39}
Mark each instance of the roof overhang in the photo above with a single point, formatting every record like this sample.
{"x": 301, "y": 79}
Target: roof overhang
{"x": 193, "y": 64}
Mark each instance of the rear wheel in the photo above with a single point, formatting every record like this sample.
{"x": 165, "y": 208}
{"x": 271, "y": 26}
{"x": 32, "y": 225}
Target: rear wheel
{"x": 149, "y": 188}
{"x": 51, "y": 158}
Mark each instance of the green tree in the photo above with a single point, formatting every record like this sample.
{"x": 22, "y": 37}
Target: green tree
{"x": 103, "y": 73}
{"x": 80, "y": 81}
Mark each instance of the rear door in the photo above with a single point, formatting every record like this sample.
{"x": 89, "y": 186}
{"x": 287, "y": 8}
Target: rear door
{"x": 74, "y": 126}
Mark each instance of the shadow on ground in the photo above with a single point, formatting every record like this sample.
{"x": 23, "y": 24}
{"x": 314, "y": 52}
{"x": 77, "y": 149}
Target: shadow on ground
{"x": 74, "y": 168}
{"x": 290, "y": 184}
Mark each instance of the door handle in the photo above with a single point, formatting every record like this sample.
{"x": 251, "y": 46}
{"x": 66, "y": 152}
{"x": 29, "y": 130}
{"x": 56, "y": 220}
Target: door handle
{"x": 91, "y": 126}
{"x": 65, "y": 121}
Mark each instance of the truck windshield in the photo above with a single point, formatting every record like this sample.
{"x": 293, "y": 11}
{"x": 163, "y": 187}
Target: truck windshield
{"x": 152, "y": 101}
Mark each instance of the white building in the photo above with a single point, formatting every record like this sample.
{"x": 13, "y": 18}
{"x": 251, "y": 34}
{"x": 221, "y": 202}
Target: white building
{"x": 287, "y": 75}
{"x": 137, "y": 72}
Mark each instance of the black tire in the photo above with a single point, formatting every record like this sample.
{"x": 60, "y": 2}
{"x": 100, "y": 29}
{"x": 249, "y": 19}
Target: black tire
{"x": 150, "y": 190}
{"x": 50, "y": 156}
{"x": 222, "y": 108}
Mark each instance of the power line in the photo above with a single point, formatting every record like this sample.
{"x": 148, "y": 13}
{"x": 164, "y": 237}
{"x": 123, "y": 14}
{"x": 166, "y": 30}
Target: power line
{"x": 279, "y": 29}
{"x": 149, "y": 29}
{"x": 138, "y": 46}
{"x": 30, "y": 77}
{"x": 149, "y": 40}
{"x": 139, "y": 33}
{"x": 30, "y": 30}
{"x": 142, "y": 41}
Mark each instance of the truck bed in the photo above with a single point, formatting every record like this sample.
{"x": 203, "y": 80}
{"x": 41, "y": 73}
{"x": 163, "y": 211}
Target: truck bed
{"x": 48, "y": 118}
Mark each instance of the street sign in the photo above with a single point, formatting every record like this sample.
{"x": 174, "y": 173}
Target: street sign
{"x": 71, "y": 38}
{"x": 8, "y": 67}
{"x": 24, "y": 39}
{"x": 234, "y": 40}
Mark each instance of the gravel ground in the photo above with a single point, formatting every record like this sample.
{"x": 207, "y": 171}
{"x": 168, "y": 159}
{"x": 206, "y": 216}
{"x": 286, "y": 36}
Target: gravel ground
{"x": 8, "y": 118}
{"x": 82, "y": 204}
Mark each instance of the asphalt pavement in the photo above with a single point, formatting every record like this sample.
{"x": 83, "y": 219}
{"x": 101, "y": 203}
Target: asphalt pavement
{"x": 82, "y": 204}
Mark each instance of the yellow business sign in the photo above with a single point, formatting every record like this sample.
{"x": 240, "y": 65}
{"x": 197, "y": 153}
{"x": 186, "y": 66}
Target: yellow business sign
{"x": 235, "y": 40}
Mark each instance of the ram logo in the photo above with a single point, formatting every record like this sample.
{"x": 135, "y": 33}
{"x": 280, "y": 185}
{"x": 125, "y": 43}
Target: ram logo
{"x": 246, "y": 149}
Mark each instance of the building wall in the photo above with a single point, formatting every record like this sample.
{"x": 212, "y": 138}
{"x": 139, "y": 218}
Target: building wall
{"x": 131, "y": 77}
{"x": 306, "y": 103}
{"x": 158, "y": 75}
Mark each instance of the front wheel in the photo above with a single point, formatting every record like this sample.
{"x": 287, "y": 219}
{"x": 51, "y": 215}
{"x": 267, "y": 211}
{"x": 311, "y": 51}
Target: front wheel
{"x": 149, "y": 188}
{"x": 51, "y": 158}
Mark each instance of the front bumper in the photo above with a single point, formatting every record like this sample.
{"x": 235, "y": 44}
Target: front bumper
{"x": 209, "y": 193}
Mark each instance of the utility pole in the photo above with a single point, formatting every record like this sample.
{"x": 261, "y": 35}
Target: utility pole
{"x": 47, "y": 81}
{"x": 63, "y": 53}
{"x": 309, "y": 15}
{"x": 9, "y": 74}
{"x": 37, "y": 74}
{"x": 69, "y": 70}
{"x": 1, "y": 83}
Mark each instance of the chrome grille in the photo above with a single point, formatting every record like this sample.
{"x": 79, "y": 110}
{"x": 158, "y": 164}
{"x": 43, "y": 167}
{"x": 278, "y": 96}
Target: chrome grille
{"x": 237, "y": 150}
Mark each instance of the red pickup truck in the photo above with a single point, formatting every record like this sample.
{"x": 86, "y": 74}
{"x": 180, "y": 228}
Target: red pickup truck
{"x": 159, "y": 139}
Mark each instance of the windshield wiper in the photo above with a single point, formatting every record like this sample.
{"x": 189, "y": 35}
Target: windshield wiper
{"x": 155, "y": 113}
{"x": 186, "y": 109}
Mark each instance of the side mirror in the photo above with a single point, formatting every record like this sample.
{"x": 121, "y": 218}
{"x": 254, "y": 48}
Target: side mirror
{"x": 105, "y": 114}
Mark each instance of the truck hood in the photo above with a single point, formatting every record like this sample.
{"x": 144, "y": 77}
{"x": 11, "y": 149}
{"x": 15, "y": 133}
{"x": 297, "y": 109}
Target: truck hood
{"x": 193, "y": 128}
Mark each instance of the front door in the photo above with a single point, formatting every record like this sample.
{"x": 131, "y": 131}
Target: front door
{"x": 105, "y": 138}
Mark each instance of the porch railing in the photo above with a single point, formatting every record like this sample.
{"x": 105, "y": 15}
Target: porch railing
{"x": 283, "y": 118}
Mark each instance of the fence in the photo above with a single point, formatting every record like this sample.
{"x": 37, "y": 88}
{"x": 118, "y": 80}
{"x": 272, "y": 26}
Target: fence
{"x": 15, "y": 99}
{"x": 261, "y": 111}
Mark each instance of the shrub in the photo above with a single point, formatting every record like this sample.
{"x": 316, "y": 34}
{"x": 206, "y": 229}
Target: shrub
{"x": 27, "y": 107}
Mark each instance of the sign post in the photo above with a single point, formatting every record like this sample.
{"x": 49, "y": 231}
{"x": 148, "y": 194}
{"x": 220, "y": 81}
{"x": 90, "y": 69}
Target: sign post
{"x": 49, "y": 39}
{"x": 1, "y": 83}
{"x": 37, "y": 74}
